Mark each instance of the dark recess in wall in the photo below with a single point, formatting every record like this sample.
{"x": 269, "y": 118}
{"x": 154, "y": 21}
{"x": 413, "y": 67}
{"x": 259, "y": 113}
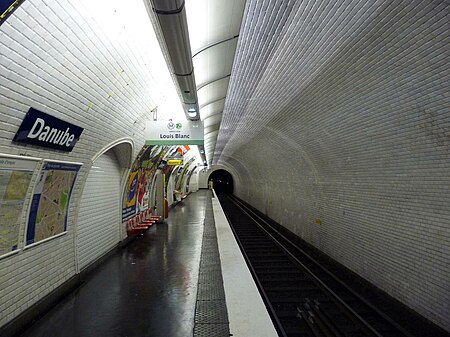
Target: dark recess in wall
{"x": 222, "y": 182}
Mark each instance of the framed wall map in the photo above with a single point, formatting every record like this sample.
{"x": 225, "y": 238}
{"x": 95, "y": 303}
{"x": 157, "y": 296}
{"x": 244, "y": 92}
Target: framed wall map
{"x": 50, "y": 203}
{"x": 15, "y": 178}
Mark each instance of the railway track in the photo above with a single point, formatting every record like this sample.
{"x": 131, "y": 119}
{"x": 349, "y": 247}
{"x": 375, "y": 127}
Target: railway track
{"x": 303, "y": 298}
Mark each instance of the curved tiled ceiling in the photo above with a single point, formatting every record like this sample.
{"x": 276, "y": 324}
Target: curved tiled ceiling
{"x": 213, "y": 31}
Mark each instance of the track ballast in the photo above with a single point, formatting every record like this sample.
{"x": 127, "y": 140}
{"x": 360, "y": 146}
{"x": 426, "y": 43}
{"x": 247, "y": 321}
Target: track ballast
{"x": 303, "y": 297}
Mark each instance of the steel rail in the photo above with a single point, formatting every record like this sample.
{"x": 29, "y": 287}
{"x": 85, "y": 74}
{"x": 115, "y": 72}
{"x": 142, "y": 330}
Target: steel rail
{"x": 385, "y": 317}
{"x": 351, "y": 314}
{"x": 279, "y": 326}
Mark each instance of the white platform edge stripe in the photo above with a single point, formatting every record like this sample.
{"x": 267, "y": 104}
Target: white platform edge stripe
{"x": 247, "y": 313}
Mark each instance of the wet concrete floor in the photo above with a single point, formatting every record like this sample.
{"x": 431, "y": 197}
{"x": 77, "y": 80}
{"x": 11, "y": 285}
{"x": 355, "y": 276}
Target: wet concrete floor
{"x": 145, "y": 289}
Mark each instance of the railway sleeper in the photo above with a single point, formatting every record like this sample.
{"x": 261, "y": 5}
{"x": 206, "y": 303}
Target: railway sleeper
{"x": 274, "y": 260}
{"x": 264, "y": 252}
{"x": 321, "y": 324}
{"x": 291, "y": 282}
{"x": 267, "y": 271}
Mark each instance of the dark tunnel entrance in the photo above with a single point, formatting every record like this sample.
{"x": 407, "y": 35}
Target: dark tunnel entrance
{"x": 222, "y": 182}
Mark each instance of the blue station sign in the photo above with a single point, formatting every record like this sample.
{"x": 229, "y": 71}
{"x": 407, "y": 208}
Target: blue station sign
{"x": 7, "y": 7}
{"x": 41, "y": 129}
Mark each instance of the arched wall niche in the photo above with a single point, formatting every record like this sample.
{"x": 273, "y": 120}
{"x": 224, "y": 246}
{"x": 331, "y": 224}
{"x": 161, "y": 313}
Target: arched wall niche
{"x": 123, "y": 149}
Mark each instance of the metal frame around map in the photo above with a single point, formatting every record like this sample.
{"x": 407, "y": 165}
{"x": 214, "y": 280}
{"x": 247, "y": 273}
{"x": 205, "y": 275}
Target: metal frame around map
{"x": 27, "y": 246}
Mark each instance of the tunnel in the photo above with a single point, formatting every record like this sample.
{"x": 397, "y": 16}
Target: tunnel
{"x": 330, "y": 118}
{"x": 222, "y": 182}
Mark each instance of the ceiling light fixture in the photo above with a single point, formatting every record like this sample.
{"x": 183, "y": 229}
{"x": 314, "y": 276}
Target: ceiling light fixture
{"x": 192, "y": 114}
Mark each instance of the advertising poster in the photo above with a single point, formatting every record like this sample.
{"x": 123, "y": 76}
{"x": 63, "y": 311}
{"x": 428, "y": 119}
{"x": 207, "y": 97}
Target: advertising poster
{"x": 189, "y": 179}
{"x": 183, "y": 149}
{"x": 132, "y": 188}
{"x": 133, "y": 183}
{"x": 178, "y": 182}
{"x": 137, "y": 192}
{"x": 142, "y": 195}
{"x": 167, "y": 172}
{"x": 15, "y": 177}
{"x": 50, "y": 204}
{"x": 149, "y": 168}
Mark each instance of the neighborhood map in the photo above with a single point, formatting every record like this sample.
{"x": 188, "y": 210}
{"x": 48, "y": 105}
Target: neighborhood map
{"x": 50, "y": 203}
{"x": 52, "y": 210}
{"x": 13, "y": 190}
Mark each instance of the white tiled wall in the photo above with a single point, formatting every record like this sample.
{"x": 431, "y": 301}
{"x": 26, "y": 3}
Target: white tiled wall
{"x": 99, "y": 215}
{"x": 68, "y": 60}
{"x": 343, "y": 115}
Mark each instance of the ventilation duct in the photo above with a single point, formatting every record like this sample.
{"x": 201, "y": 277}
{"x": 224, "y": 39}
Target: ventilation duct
{"x": 169, "y": 20}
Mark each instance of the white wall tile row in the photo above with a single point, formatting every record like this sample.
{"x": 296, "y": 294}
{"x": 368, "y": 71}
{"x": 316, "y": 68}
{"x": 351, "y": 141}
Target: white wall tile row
{"x": 339, "y": 111}
{"x": 87, "y": 64}
{"x": 100, "y": 210}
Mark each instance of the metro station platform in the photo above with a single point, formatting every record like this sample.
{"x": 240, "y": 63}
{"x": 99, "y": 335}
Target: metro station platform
{"x": 185, "y": 277}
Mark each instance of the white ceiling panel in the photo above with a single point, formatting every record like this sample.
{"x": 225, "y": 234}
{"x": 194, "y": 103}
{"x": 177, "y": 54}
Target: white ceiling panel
{"x": 214, "y": 63}
{"x": 211, "y": 143}
{"x": 209, "y": 138}
{"x": 212, "y": 109}
{"x": 213, "y": 120}
{"x": 214, "y": 27}
{"x": 211, "y": 21}
{"x": 213, "y": 134}
{"x": 212, "y": 92}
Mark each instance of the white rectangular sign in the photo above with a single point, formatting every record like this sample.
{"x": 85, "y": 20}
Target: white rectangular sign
{"x": 174, "y": 133}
